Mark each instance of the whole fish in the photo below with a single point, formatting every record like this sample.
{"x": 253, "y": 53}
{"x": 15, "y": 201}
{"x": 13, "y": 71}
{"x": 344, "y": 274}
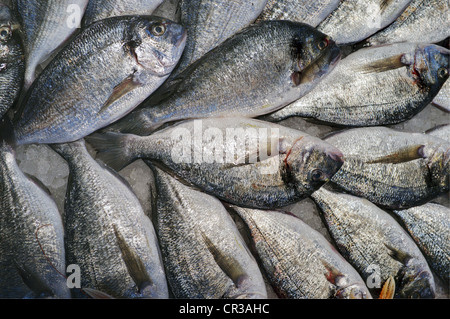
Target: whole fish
{"x": 422, "y": 21}
{"x": 442, "y": 100}
{"x": 243, "y": 161}
{"x": 46, "y": 25}
{"x": 355, "y": 20}
{"x": 375, "y": 244}
{"x": 102, "y": 9}
{"x": 441, "y": 131}
{"x": 12, "y": 64}
{"x": 32, "y": 255}
{"x": 108, "y": 234}
{"x": 390, "y": 168}
{"x": 407, "y": 76}
{"x": 429, "y": 226}
{"x": 203, "y": 252}
{"x": 101, "y": 75}
{"x": 255, "y": 72}
{"x": 299, "y": 262}
{"x": 309, "y": 12}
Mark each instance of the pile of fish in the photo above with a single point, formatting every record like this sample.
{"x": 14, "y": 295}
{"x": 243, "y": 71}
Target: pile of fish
{"x": 200, "y": 98}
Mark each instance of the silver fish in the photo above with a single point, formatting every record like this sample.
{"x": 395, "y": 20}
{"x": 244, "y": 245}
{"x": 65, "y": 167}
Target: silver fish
{"x": 243, "y": 161}
{"x": 46, "y": 26}
{"x": 441, "y": 131}
{"x": 102, "y": 9}
{"x": 391, "y": 168}
{"x": 376, "y": 245}
{"x": 101, "y": 75}
{"x": 108, "y": 234}
{"x": 422, "y": 21}
{"x": 407, "y": 76}
{"x": 442, "y": 100}
{"x": 299, "y": 262}
{"x": 355, "y": 20}
{"x": 287, "y": 60}
{"x": 203, "y": 252}
{"x": 32, "y": 255}
{"x": 309, "y": 12}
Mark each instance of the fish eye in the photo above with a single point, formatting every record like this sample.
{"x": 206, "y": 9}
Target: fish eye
{"x": 5, "y": 33}
{"x": 317, "y": 175}
{"x": 158, "y": 29}
{"x": 323, "y": 44}
{"x": 442, "y": 73}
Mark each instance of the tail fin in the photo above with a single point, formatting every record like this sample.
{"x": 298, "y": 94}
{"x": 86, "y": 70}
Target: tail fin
{"x": 67, "y": 149}
{"x": 139, "y": 122}
{"x": 113, "y": 149}
{"x": 7, "y": 136}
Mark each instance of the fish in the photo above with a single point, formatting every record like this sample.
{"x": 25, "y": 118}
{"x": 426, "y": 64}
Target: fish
{"x": 100, "y": 76}
{"x": 102, "y": 9}
{"x": 408, "y": 76}
{"x": 108, "y": 235}
{"x": 440, "y": 131}
{"x": 422, "y": 21}
{"x": 255, "y": 72}
{"x": 442, "y": 99}
{"x": 429, "y": 226}
{"x": 298, "y": 261}
{"x": 203, "y": 252}
{"x": 46, "y": 26}
{"x": 355, "y": 20}
{"x": 375, "y": 244}
{"x": 309, "y": 12}
{"x": 12, "y": 61}
{"x": 32, "y": 254}
{"x": 244, "y": 161}
{"x": 393, "y": 169}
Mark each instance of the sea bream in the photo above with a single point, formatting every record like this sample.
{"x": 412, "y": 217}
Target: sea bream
{"x": 243, "y": 161}
{"x": 101, "y": 75}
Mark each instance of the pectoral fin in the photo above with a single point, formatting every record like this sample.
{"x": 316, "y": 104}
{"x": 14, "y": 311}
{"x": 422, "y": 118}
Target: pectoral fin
{"x": 126, "y": 86}
{"x": 96, "y": 294}
{"x": 398, "y": 254}
{"x": 384, "y": 65}
{"x": 388, "y": 290}
{"x": 33, "y": 281}
{"x": 332, "y": 273}
{"x": 402, "y": 156}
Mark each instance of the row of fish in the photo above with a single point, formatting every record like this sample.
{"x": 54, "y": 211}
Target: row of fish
{"x": 129, "y": 76}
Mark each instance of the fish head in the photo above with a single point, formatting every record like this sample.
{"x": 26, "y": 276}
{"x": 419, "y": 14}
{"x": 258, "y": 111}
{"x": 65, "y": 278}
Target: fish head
{"x": 431, "y": 65}
{"x": 157, "y": 44}
{"x": 353, "y": 291}
{"x": 311, "y": 162}
{"x": 416, "y": 283}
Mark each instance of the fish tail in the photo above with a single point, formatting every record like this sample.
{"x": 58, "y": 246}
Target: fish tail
{"x": 140, "y": 122}
{"x": 113, "y": 149}
{"x": 68, "y": 149}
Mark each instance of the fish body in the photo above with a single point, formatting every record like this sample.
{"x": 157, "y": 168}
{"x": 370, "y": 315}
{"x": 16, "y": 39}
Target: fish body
{"x": 243, "y": 161}
{"x": 102, "y": 9}
{"x": 422, "y": 21}
{"x": 203, "y": 252}
{"x": 442, "y": 100}
{"x": 407, "y": 76}
{"x": 46, "y": 26}
{"x": 375, "y": 244}
{"x": 355, "y": 20}
{"x": 429, "y": 226}
{"x": 390, "y": 168}
{"x": 441, "y": 131}
{"x": 299, "y": 262}
{"x": 108, "y": 234}
{"x": 101, "y": 75}
{"x": 255, "y": 72}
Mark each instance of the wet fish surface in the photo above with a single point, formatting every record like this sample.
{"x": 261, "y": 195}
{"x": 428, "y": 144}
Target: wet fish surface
{"x": 102, "y": 9}
{"x": 441, "y": 131}
{"x": 300, "y": 263}
{"x": 108, "y": 234}
{"x": 390, "y": 168}
{"x": 204, "y": 254}
{"x": 12, "y": 64}
{"x": 422, "y": 21}
{"x": 429, "y": 226}
{"x": 355, "y": 20}
{"x": 442, "y": 100}
{"x": 32, "y": 255}
{"x": 407, "y": 76}
{"x": 46, "y": 25}
{"x": 255, "y": 72}
{"x": 106, "y": 71}
{"x": 309, "y": 12}
{"x": 371, "y": 240}
{"x": 243, "y": 161}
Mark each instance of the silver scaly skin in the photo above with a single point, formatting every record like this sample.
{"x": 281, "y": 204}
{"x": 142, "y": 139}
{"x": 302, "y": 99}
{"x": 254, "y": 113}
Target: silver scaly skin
{"x": 101, "y": 75}
{"x": 369, "y": 238}
{"x": 203, "y": 252}
{"x": 108, "y": 234}
{"x": 299, "y": 262}
{"x": 407, "y": 76}
{"x": 442, "y": 100}
{"x": 441, "y": 131}
{"x": 255, "y": 72}
{"x": 269, "y": 173}
{"x": 390, "y": 168}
